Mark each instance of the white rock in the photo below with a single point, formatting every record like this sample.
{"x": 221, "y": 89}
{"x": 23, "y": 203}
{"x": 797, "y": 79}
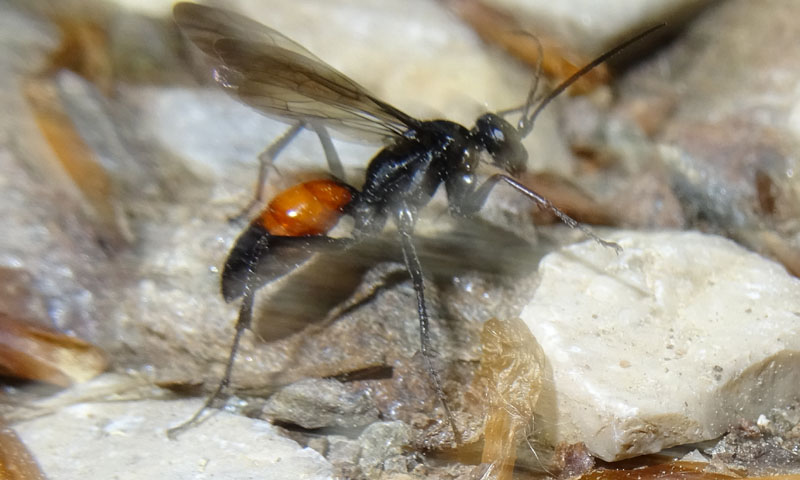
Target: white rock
{"x": 668, "y": 343}
{"x": 127, "y": 440}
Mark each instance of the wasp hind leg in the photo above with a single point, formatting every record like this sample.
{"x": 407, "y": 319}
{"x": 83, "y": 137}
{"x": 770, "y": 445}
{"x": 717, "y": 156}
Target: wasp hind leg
{"x": 267, "y": 158}
{"x": 250, "y": 266}
{"x": 242, "y": 323}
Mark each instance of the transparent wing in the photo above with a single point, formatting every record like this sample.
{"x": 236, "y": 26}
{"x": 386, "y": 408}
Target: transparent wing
{"x": 277, "y": 76}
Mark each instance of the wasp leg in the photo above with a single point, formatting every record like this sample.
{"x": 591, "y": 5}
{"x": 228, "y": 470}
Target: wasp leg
{"x": 265, "y": 248}
{"x": 266, "y": 159}
{"x": 406, "y": 219}
{"x": 243, "y": 322}
{"x": 470, "y": 202}
{"x": 334, "y": 163}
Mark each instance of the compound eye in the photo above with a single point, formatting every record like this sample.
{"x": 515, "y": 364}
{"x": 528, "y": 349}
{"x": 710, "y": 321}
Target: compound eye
{"x": 499, "y": 136}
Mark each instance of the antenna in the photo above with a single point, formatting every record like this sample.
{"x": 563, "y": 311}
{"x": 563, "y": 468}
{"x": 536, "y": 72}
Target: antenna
{"x": 526, "y": 122}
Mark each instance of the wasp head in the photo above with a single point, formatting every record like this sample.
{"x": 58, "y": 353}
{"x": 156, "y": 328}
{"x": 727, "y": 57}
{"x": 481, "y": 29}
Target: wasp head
{"x": 502, "y": 141}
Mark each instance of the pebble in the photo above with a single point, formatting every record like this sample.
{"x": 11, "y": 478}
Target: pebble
{"x": 128, "y": 440}
{"x": 670, "y": 342}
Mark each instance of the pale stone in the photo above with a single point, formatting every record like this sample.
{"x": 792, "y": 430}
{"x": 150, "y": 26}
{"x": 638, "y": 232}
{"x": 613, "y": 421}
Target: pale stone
{"x": 670, "y": 342}
{"x": 128, "y": 440}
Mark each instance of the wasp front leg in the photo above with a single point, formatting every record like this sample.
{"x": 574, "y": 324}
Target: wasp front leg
{"x": 466, "y": 199}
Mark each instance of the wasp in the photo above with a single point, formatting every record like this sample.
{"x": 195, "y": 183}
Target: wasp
{"x": 278, "y": 77}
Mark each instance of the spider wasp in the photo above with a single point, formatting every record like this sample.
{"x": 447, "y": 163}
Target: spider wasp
{"x": 278, "y": 77}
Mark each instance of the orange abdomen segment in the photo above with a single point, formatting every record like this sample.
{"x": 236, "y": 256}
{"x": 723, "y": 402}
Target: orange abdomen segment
{"x": 309, "y": 208}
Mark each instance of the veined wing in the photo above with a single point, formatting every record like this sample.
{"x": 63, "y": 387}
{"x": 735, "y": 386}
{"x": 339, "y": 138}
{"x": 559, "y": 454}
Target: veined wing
{"x": 277, "y": 76}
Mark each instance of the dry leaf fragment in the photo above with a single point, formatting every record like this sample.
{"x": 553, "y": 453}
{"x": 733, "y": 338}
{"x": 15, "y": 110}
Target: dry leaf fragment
{"x": 502, "y": 29}
{"x": 511, "y": 367}
{"x": 37, "y": 353}
{"x": 16, "y": 462}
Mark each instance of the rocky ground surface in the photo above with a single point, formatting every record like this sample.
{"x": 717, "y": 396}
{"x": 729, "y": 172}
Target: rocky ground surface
{"x": 121, "y": 164}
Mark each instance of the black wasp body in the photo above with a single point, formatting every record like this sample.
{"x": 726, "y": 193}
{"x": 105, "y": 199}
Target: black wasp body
{"x": 406, "y": 174}
{"x": 277, "y": 76}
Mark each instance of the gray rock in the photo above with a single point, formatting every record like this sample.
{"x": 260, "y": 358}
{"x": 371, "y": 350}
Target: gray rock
{"x": 317, "y": 403}
{"x": 767, "y": 446}
{"x": 382, "y": 441}
{"x": 343, "y": 451}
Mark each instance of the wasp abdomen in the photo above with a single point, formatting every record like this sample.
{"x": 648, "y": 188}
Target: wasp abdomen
{"x": 309, "y": 208}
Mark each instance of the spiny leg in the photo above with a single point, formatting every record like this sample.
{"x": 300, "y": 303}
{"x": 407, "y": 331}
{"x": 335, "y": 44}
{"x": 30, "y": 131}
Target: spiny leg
{"x": 243, "y": 322}
{"x": 548, "y": 205}
{"x": 405, "y": 225}
{"x": 265, "y": 245}
{"x": 471, "y": 202}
